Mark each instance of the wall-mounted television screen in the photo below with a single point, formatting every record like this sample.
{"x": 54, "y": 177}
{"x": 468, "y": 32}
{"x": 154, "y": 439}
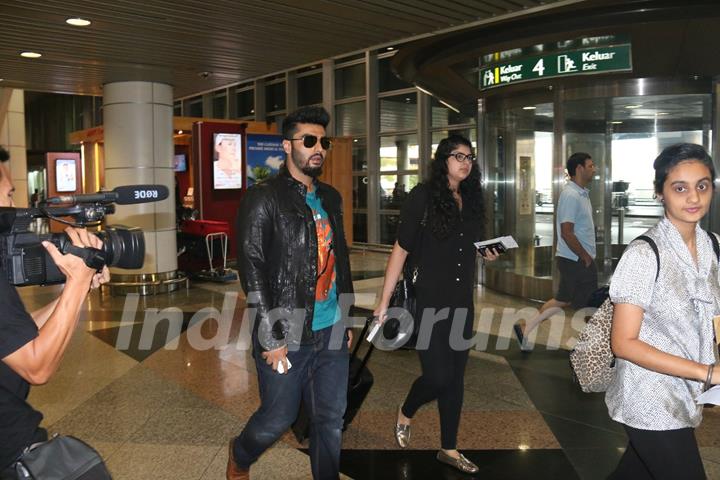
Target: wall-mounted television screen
{"x": 65, "y": 175}
{"x": 180, "y": 163}
{"x": 227, "y": 161}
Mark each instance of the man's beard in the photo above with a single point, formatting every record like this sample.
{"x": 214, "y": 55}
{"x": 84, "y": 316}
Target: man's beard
{"x": 313, "y": 172}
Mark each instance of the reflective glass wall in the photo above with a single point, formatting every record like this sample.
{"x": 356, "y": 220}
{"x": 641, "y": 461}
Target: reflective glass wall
{"x": 518, "y": 154}
{"x": 527, "y": 144}
{"x": 394, "y": 126}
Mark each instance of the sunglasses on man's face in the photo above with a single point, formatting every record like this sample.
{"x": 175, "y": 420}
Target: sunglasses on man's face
{"x": 309, "y": 141}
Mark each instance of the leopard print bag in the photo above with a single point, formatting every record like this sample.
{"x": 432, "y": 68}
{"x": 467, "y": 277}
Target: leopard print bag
{"x": 592, "y": 360}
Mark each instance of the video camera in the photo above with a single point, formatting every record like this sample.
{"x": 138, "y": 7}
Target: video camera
{"x": 26, "y": 262}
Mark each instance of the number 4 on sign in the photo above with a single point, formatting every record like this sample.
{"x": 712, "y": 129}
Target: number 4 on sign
{"x": 539, "y": 68}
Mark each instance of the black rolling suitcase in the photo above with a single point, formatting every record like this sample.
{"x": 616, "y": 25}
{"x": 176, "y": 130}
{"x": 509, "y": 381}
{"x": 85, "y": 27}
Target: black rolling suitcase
{"x": 360, "y": 380}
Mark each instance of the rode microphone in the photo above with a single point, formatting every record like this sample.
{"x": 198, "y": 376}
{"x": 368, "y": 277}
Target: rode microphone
{"x": 125, "y": 195}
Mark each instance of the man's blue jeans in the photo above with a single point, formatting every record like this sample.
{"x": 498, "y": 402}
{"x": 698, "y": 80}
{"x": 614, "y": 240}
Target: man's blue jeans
{"x": 319, "y": 376}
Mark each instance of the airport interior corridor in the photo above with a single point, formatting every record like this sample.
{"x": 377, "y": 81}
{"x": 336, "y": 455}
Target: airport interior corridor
{"x": 163, "y": 404}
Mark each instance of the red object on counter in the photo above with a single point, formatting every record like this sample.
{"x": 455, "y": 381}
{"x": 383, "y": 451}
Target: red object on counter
{"x": 203, "y": 227}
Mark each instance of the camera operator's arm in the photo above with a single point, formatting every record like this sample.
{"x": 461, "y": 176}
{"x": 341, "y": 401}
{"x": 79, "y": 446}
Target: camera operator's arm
{"x": 37, "y": 360}
{"x": 42, "y": 314}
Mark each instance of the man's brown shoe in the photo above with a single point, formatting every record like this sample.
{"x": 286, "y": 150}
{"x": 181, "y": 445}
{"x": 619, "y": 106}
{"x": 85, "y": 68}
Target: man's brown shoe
{"x": 233, "y": 471}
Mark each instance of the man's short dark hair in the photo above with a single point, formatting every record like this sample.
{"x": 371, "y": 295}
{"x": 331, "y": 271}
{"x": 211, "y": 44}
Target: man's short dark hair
{"x": 575, "y": 160}
{"x": 4, "y": 155}
{"x": 311, "y": 115}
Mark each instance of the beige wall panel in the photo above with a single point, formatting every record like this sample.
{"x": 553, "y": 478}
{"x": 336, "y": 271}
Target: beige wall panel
{"x": 129, "y": 142}
{"x": 166, "y": 254}
{"x": 18, "y": 155}
{"x": 162, "y": 94}
{"x": 16, "y": 128}
{"x": 17, "y": 103}
{"x": 163, "y": 132}
{"x": 4, "y": 134}
{"x": 127, "y": 92}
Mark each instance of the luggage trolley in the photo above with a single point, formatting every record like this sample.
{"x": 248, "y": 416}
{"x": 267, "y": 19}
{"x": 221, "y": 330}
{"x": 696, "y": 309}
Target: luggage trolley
{"x": 217, "y": 275}
{"x": 208, "y": 232}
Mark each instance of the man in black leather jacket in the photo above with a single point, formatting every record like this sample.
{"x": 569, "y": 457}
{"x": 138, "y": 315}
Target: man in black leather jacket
{"x": 295, "y": 270}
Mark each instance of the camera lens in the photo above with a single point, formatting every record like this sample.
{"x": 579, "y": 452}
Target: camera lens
{"x": 124, "y": 246}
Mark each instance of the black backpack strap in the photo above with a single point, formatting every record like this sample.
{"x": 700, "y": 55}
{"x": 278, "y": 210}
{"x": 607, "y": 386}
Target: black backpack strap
{"x": 654, "y": 247}
{"x": 715, "y": 244}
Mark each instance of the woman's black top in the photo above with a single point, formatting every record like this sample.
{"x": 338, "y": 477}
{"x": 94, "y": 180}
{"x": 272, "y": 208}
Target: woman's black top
{"x": 447, "y": 267}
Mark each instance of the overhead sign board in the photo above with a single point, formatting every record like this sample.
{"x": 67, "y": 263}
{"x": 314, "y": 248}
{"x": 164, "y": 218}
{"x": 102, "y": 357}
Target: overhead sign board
{"x": 578, "y": 62}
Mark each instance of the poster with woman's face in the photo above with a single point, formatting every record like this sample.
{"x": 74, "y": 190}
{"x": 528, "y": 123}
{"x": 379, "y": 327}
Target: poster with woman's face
{"x": 65, "y": 175}
{"x": 227, "y": 161}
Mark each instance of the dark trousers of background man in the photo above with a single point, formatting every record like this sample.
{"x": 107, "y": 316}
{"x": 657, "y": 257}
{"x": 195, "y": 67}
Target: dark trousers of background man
{"x": 318, "y": 376}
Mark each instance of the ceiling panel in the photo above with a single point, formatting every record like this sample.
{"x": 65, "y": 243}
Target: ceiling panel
{"x": 174, "y": 41}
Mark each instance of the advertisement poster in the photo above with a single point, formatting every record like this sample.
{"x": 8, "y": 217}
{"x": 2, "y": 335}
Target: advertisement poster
{"x": 265, "y": 155}
{"x": 65, "y": 178}
{"x": 227, "y": 161}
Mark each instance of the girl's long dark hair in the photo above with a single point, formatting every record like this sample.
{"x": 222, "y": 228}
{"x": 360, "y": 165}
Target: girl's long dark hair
{"x": 443, "y": 211}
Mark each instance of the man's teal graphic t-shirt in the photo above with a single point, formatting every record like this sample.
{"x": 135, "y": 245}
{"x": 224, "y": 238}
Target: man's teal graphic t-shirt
{"x": 326, "y": 302}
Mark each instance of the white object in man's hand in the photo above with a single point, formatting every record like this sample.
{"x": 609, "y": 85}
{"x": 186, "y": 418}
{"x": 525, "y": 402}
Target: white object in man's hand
{"x": 281, "y": 366}
{"x": 276, "y": 357}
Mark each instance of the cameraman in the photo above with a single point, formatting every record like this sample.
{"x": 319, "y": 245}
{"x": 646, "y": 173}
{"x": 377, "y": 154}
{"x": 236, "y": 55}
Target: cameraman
{"x": 32, "y": 345}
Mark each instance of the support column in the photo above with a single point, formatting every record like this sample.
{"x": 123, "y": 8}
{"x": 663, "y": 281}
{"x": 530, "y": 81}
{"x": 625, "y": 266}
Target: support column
{"x": 139, "y": 150}
{"x": 372, "y": 120}
{"x": 12, "y": 137}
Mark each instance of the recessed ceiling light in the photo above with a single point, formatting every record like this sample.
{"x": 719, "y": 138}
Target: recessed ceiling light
{"x": 616, "y": 122}
{"x": 529, "y": 107}
{"x": 31, "y": 55}
{"x": 78, "y": 22}
{"x": 390, "y": 48}
{"x": 633, "y": 106}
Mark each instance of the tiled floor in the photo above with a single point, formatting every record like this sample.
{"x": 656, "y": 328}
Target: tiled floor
{"x": 165, "y": 404}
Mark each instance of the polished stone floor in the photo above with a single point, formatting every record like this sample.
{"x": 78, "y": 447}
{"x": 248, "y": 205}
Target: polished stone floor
{"x": 161, "y": 403}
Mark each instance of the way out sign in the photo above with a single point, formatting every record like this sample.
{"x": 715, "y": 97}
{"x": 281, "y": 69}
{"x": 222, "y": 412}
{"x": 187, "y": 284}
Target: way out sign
{"x": 578, "y": 62}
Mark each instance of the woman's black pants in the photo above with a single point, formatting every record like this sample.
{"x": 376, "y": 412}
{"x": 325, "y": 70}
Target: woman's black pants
{"x": 661, "y": 454}
{"x": 442, "y": 379}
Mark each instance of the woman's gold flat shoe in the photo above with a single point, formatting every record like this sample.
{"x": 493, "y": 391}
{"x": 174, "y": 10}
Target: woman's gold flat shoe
{"x": 462, "y": 463}
{"x": 402, "y": 432}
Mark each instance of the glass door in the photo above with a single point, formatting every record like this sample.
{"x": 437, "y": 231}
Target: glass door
{"x": 519, "y": 156}
{"x": 624, "y": 135}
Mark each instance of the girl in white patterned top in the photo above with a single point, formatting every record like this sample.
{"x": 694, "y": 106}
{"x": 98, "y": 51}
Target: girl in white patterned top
{"x": 662, "y": 333}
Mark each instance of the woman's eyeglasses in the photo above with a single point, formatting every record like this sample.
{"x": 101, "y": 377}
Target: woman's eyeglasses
{"x": 309, "y": 141}
{"x": 461, "y": 157}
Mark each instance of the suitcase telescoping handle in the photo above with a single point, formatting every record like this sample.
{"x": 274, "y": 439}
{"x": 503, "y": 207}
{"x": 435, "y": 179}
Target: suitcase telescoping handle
{"x": 360, "y": 340}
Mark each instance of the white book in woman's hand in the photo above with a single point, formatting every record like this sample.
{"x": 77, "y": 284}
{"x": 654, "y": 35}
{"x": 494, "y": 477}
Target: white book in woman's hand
{"x": 710, "y": 396}
{"x": 499, "y": 244}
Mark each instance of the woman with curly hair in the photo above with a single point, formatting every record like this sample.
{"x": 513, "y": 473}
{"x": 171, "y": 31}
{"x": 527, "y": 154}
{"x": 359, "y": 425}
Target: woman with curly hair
{"x": 439, "y": 221}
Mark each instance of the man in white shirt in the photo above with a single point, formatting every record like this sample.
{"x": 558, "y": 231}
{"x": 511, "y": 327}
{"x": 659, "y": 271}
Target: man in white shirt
{"x": 576, "y": 250}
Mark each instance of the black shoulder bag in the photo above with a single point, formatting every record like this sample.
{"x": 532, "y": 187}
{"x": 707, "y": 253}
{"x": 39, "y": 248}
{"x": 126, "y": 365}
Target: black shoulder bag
{"x": 404, "y": 299}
